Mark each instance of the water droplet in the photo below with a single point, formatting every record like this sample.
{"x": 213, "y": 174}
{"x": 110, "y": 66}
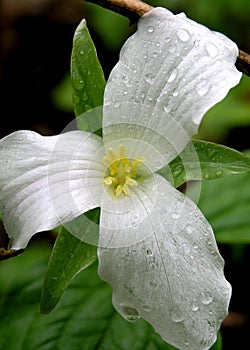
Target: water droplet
{"x": 130, "y": 314}
{"x": 206, "y": 297}
{"x": 81, "y": 52}
{"x": 202, "y": 88}
{"x": 218, "y": 173}
{"x": 183, "y": 34}
{"x": 211, "y": 50}
{"x": 177, "y": 170}
{"x": 149, "y": 78}
{"x": 195, "y": 304}
{"x": 195, "y": 246}
{"x": 20, "y": 139}
{"x": 176, "y": 216}
{"x": 146, "y": 307}
{"x": 116, "y": 104}
{"x": 85, "y": 96}
{"x": 150, "y": 29}
{"x": 172, "y": 76}
{"x": 149, "y": 252}
{"x": 206, "y": 176}
{"x": 176, "y": 316}
{"x": 175, "y": 93}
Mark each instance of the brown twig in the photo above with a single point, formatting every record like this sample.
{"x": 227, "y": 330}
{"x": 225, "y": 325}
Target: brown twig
{"x": 134, "y": 9}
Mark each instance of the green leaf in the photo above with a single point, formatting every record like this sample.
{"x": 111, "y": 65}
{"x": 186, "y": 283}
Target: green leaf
{"x": 226, "y": 205}
{"x": 61, "y": 96}
{"x": 202, "y": 160}
{"x": 87, "y": 77}
{"x": 84, "y": 319}
{"x": 68, "y": 258}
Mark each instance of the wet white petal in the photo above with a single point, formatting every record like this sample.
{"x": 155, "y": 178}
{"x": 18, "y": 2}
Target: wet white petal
{"x": 47, "y": 181}
{"x": 172, "y": 65}
{"x": 174, "y": 277}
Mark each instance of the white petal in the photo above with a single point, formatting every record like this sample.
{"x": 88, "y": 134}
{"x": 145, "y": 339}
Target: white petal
{"x": 47, "y": 181}
{"x": 170, "y": 72}
{"x": 174, "y": 277}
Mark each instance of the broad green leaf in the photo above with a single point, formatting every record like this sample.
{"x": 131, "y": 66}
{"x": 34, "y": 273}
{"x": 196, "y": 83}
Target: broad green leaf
{"x": 205, "y": 160}
{"x": 61, "y": 96}
{"x": 226, "y": 205}
{"x": 87, "y": 77}
{"x": 111, "y": 27}
{"x": 84, "y": 319}
{"x": 69, "y": 256}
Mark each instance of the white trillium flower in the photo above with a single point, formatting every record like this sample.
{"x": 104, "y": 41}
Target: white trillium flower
{"x": 156, "y": 248}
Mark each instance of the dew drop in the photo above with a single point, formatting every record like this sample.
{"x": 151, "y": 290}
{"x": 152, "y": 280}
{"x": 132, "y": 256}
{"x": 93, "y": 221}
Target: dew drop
{"x": 206, "y": 176}
{"x": 172, "y": 76}
{"x": 85, "y": 96}
{"x": 116, "y": 104}
{"x": 176, "y": 216}
{"x": 177, "y": 170}
{"x": 150, "y": 29}
{"x": 206, "y": 298}
{"x": 202, "y": 88}
{"x": 20, "y": 139}
{"x": 130, "y": 314}
{"x": 146, "y": 308}
{"x": 183, "y": 34}
{"x": 175, "y": 93}
{"x": 194, "y": 305}
{"x": 176, "y": 316}
{"x": 211, "y": 50}
{"x": 218, "y": 173}
{"x": 81, "y": 52}
{"x": 149, "y": 78}
{"x": 149, "y": 252}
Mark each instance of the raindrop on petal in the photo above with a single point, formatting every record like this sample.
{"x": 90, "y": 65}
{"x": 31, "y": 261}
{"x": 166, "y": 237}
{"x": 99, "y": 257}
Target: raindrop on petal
{"x": 202, "y": 88}
{"x": 176, "y": 216}
{"x": 130, "y": 314}
{"x": 149, "y": 252}
{"x": 172, "y": 76}
{"x": 146, "y": 307}
{"x": 183, "y": 34}
{"x": 206, "y": 297}
{"x": 195, "y": 305}
{"x": 211, "y": 50}
{"x": 150, "y": 29}
{"x": 176, "y": 316}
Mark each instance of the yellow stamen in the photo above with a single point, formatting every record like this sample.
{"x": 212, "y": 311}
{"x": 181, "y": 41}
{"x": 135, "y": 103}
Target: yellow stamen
{"x": 122, "y": 173}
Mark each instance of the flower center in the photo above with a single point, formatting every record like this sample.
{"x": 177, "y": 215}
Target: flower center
{"x": 122, "y": 173}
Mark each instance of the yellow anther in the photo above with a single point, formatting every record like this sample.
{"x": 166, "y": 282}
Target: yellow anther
{"x": 122, "y": 172}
